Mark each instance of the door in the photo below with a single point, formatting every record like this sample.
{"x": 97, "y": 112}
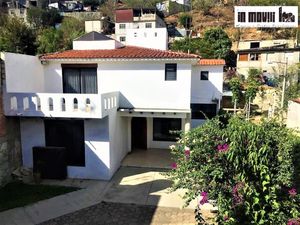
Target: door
{"x": 139, "y": 133}
{"x": 68, "y": 134}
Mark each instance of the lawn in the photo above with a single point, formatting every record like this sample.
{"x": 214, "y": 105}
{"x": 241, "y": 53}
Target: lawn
{"x": 18, "y": 194}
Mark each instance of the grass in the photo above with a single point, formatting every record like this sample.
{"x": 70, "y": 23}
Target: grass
{"x": 17, "y": 194}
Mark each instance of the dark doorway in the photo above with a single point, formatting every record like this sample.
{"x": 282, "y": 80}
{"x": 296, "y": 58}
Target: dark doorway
{"x": 68, "y": 134}
{"x": 139, "y": 133}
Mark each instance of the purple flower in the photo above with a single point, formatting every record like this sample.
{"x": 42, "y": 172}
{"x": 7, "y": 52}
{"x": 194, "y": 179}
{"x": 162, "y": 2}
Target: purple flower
{"x": 293, "y": 222}
{"x": 225, "y": 218}
{"x": 174, "y": 165}
{"x": 204, "y": 198}
{"x": 293, "y": 192}
{"x": 223, "y": 148}
{"x": 237, "y": 196}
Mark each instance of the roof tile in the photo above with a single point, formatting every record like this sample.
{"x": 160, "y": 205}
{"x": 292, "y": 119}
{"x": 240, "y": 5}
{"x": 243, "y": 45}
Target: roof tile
{"x": 128, "y": 52}
{"x": 211, "y": 62}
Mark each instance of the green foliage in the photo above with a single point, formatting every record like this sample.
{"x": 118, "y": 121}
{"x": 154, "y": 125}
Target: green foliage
{"x": 273, "y": 2}
{"x": 16, "y": 36}
{"x": 252, "y": 83}
{"x": 141, "y": 3}
{"x": 39, "y": 18}
{"x": 215, "y": 44}
{"x": 185, "y": 20}
{"x": 235, "y": 84}
{"x": 71, "y": 28}
{"x": 50, "y": 40}
{"x": 249, "y": 169}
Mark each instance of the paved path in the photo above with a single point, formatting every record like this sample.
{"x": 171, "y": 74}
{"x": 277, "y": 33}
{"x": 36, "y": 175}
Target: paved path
{"x": 126, "y": 214}
{"x": 130, "y": 185}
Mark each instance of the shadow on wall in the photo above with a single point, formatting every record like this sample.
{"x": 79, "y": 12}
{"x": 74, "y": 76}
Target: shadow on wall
{"x": 124, "y": 102}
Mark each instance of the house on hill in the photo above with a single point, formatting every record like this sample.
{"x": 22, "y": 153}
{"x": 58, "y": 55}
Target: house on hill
{"x": 103, "y": 99}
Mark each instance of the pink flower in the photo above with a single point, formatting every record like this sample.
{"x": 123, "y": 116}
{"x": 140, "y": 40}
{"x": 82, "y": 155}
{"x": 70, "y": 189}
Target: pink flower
{"x": 293, "y": 222}
{"x": 174, "y": 165}
{"x": 226, "y": 218}
{"x": 187, "y": 152}
{"x": 293, "y": 192}
{"x": 223, "y": 148}
{"x": 204, "y": 198}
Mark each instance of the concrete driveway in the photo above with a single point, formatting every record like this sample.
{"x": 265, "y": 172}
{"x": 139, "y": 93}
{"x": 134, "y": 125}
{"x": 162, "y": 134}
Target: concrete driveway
{"x": 130, "y": 185}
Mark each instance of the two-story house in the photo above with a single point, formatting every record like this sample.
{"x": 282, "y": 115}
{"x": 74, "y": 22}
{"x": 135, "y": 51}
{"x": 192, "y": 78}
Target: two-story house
{"x": 266, "y": 55}
{"x": 103, "y": 99}
{"x": 141, "y": 27}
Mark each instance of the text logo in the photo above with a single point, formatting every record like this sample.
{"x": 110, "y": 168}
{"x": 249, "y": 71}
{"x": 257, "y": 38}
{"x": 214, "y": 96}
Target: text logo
{"x": 266, "y": 16}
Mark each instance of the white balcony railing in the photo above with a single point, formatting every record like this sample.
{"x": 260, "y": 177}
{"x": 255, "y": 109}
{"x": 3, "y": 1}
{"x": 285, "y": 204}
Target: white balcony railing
{"x": 60, "y": 105}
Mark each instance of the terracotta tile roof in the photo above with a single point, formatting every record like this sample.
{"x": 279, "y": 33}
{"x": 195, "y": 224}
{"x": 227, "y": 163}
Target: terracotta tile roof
{"x": 210, "y": 62}
{"x": 128, "y": 52}
{"x": 296, "y": 100}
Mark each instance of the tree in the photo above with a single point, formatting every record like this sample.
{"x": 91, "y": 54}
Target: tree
{"x": 235, "y": 84}
{"x": 16, "y": 36}
{"x": 50, "y": 40}
{"x": 185, "y": 20}
{"x": 39, "y": 18}
{"x": 251, "y": 170}
{"x": 71, "y": 28}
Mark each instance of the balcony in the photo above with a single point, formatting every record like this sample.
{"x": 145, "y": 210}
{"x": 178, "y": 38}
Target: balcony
{"x": 60, "y": 105}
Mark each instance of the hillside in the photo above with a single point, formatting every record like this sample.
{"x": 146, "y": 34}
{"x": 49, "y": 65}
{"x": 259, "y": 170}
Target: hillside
{"x": 224, "y": 16}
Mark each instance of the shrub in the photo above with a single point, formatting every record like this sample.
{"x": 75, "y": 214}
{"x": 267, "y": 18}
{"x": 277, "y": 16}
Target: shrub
{"x": 251, "y": 170}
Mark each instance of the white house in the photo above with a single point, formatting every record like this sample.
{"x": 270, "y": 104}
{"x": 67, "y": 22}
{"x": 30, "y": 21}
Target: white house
{"x": 103, "y": 100}
{"x": 293, "y": 115}
{"x": 141, "y": 27}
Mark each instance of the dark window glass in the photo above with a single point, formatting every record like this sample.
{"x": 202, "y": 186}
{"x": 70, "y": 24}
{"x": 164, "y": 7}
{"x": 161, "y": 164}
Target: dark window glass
{"x": 204, "y": 75}
{"x": 171, "y": 71}
{"x": 164, "y": 128}
{"x": 254, "y": 45}
{"x": 209, "y": 110}
{"x": 80, "y": 80}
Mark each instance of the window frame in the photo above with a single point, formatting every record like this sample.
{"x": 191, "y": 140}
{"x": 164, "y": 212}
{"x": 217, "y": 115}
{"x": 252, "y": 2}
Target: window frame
{"x": 169, "y": 66}
{"x": 82, "y": 83}
{"x": 203, "y": 76}
{"x": 147, "y": 25}
{"x": 122, "y": 37}
{"x": 163, "y": 136}
{"x": 122, "y": 26}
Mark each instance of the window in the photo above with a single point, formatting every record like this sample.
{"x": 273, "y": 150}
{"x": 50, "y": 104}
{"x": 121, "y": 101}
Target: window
{"x": 122, "y": 26}
{"x": 155, "y": 34}
{"x": 209, "y": 110}
{"x": 164, "y": 129}
{"x": 148, "y": 25}
{"x": 254, "y": 45}
{"x": 80, "y": 79}
{"x": 204, "y": 75}
{"x": 254, "y": 56}
{"x": 122, "y": 39}
{"x": 243, "y": 57}
{"x": 171, "y": 71}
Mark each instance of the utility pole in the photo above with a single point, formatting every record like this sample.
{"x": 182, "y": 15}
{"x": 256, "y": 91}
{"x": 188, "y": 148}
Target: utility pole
{"x": 284, "y": 82}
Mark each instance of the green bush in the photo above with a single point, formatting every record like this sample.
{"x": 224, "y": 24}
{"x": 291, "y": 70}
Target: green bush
{"x": 251, "y": 170}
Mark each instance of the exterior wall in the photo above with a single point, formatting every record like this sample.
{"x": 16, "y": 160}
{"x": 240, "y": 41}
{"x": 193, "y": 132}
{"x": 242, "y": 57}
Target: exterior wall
{"x": 143, "y": 85}
{"x": 97, "y": 152}
{"x": 94, "y": 25}
{"x": 204, "y": 91}
{"x": 293, "y": 117}
{"x": 148, "y": 38}
{"x": 21, "y": 70}
{"x": 265, "y": 43}
{"x": 118, "y": 140}
{"x": 87, "y": 45}
{"x": 53, "y": 78}
{"x": 10, "y": 151}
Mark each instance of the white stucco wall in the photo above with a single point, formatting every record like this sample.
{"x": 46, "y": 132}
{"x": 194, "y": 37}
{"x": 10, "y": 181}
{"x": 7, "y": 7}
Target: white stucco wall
{"x": 156, "y": 38}
{"x": 53, "y": 78}
{"x": 293, "y": 116}
{"x": 24, "y": 73}
{"x": 97, "y": 153}
{"x": 143, "y": 85}
{"x": 203, "y": 91}
{"x": 118, "y": 140}
{"x": 87, "y": 45}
